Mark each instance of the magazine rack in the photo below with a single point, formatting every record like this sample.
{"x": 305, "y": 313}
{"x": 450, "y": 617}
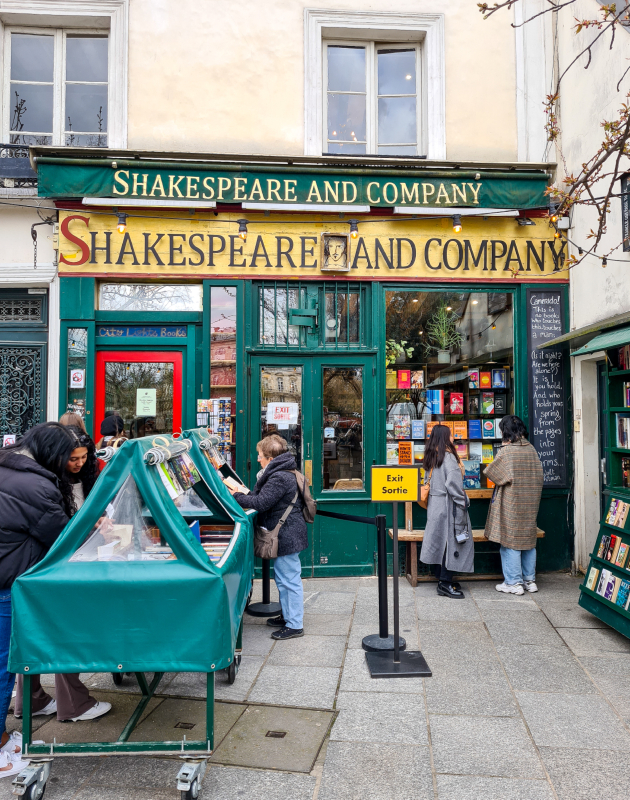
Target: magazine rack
{"x": 134, "y": 585}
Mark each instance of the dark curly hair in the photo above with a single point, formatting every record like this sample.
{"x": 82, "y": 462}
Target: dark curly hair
{"x": 89, "y": 471}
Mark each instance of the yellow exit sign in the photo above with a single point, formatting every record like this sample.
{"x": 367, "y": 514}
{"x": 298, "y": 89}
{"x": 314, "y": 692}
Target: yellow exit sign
{"x": 395, "y": 484}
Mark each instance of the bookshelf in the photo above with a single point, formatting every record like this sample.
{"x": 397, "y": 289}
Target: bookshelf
{"x": 605, "y": 591}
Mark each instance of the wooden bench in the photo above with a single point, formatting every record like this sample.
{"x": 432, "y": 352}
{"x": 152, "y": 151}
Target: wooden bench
{"x": 412, "y": 537}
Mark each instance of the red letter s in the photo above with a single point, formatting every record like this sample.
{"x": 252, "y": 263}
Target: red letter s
{"x": 85, "y": 250}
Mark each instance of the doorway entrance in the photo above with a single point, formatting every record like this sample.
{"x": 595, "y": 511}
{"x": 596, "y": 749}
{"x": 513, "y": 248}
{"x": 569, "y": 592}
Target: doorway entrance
{"x": 143, "y": 387}
{"x": 324, "y": 406}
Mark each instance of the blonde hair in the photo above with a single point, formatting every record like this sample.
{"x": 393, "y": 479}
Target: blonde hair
{"x": 272, "y": 446}
{"x": 70, "y": 418}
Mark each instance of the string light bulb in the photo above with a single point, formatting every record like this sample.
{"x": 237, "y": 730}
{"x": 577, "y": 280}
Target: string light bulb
{"x": 494, "y": 327}
{"x": 354, "y": 229}
{"x": 580, "y": 251}
{"x": 242, "y": 229}
{"x": 474, "y": 302}
{"x": 121, "y": 226}
{"x": 604, "y": 262}
{"x": 554, "y": 217}
{"x": 457, "y": 223}
{"x": 557, "y": 235}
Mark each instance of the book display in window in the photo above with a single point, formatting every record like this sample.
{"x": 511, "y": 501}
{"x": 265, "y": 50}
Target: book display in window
{"x": 605, "y": 591}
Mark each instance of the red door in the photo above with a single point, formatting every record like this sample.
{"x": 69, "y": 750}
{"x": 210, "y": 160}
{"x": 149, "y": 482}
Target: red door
{"x": 144, "y": 388}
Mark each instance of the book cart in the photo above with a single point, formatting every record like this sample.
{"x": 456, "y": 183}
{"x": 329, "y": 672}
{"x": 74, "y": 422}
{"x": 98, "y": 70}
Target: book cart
{"x": 152, "y": 575}
{"x": 605, "y": 591}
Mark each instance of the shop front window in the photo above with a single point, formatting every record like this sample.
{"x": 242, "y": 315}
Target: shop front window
{"x": 450, "y": 360}
{"x": 150, "y": 297}
{"x": 342, "y": 427}
{"x": 222, "y": 402}
{"x": 77, "y": 369}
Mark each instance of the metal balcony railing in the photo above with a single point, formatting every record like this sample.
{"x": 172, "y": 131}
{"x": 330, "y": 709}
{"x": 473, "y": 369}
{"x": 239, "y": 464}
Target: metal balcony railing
{"x": 15, "y": 167}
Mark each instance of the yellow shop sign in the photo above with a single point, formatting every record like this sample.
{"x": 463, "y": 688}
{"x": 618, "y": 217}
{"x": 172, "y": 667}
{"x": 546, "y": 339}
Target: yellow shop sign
{"x": 290, "y": 246}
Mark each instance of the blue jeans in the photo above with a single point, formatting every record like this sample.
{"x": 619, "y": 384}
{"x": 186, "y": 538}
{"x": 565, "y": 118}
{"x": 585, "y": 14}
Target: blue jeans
{"x": 7, "y": 679}
{"x": 287, "y": 572}
{"x": 518, "y": 565}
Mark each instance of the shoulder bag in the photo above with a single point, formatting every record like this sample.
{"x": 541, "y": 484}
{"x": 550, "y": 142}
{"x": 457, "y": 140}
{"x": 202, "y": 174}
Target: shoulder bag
{"x": 265, "y": 541}
{"x": 424, "y": 491}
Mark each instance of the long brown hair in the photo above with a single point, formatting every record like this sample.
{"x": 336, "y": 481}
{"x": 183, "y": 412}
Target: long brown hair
{"x": 438, "y": 446}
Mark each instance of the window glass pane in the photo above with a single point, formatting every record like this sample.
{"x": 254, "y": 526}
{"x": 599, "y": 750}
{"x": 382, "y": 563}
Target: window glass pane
{"x": 122, "y": 381}
{"x": 31, "y": 107}
{"x": 222, "y": 410}
{"x": 31, "y": 57}
{"x": 396, "y": 120}
{"x": 25, "y": 139}
{"x": 342, "y": 318}
{"x": 449, "y": 360}
{"x": 77, "y": 366}
{"x": 346, "y": 69}
{"x": 150, "y": 297}
{"x": 86, "y": 140}
{"x": 397, "y": 150}
{"x": 343, "y": 429}
{"x": 86, "y": 107}
{"x": 127, "y": 532}
{"x": 274, "y": 316}
{"x": 283, "y": 385}
{"x": 86, "y": 58}
{"x": 396, "y": 71}
{"x": 346, "y": 117}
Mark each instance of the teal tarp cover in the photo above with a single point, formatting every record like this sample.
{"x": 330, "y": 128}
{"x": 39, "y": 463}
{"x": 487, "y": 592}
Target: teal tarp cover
{"x": 136, "y": 616}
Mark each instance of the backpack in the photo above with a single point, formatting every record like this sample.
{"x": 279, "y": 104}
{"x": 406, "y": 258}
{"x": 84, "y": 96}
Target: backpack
{"x": 309, "y": 509}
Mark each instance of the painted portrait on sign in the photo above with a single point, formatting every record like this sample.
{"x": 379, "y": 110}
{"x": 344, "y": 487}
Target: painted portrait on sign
{"x": 335, "y": 252}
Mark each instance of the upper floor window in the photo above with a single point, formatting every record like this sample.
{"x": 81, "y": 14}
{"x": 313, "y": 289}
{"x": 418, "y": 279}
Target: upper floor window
{"x": 56, "y": 87}
{"x": 372, "y": 103}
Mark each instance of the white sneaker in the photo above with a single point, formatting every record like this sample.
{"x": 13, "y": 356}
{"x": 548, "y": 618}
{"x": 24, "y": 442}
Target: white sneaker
{"x": 14, "y": 745}
{"x": 530, "y": 586}
{"x": 93, "y": 713}
{"x": 51, "y": 708}
{"x": 508, "y": 588}
{"x": 10, "y": 766}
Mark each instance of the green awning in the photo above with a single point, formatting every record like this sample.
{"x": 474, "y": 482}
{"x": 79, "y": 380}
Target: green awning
{"x": 604, "y": 341}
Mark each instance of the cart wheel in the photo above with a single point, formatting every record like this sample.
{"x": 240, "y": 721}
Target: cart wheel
{"x": 117, "y": 677}
{"x": 192, "y": 793}
{"x": 232, "y": 671}
{"x": 237, "y": 658}
{"x": 35, "y": 791}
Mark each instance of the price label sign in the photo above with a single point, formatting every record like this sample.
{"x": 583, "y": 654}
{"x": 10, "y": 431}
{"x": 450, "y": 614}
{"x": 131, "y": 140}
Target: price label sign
{"x": 395, "y": 484}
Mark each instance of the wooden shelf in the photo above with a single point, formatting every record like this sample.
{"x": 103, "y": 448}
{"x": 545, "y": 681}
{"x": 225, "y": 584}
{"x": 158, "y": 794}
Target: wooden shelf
{"x": 612, "y": 491}
{"x": 614, "y": 527}
{"x": 620, "y": 450}
{"x": 620, "y": 410}
{"x": 418, "y": 536}
{"x": 607, "y": 564}
{"x": 479, "y": 493}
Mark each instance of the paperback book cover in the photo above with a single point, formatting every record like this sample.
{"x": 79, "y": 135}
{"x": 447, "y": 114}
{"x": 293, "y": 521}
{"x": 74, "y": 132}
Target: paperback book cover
{"x": 592, "y": 579}
{"x": 449, "y": 425}
{"x": 473, "y": 378}
{"x": 496, "y": 446}
{"x": 603, "y": 580}
{"x": 488, "y": 429}
{"x": 497, "y": 428}
{"x": 487, "y": 402}
{"x": 474, "y": 429}
{"x": 418, "y": 453}
{"x": 603, "y": 546}
{"x": 405, "y": 453}
{"x": 472, "y": 474}
{"x": 435, "y": 401}
{"x": 487, "y": 454}
{"x": 615, "y": 592}
{"x": 417, "y": 429}
{"x": 430, "y": 426}
{"x": 485, "y": 380}
{"x": 612, "y": 512}
{"x": 404, "y": 379}
{"x": 456, "y": 402}
{"x": 417, "y": 379}
{"x": 462, "y": 449}
{"x": 392, "y": 452}
{"x": 609, "y": 588}
{"x": 622, "y": 555}
{"x": 613, "y": 550}
{"x": 623, "y": 593}
{"x": 460, "y": 429}
{"x": 474, "y": 451}
{"x": 402, "y": 427}
{"x": 390, "y": 379}
{"x": 473, "y": 404}
{"x": 500, "y": 404}
{"x": 498, "y": 379}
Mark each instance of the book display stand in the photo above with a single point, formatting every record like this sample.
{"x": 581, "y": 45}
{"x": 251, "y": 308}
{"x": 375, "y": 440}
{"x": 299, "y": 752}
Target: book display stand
{"x": 605, "y": 591}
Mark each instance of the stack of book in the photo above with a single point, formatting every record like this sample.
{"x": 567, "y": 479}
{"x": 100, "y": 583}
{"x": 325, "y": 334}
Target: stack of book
{"x": 623, "y": 430}
{"x": 609, "y": 586}
{"x": 612, "y": 548}
{"x": 617, "y": 513}
{"x": 215, "y": 545}
{"x": 623, "y": 361}
{"x": 626, "y": 394}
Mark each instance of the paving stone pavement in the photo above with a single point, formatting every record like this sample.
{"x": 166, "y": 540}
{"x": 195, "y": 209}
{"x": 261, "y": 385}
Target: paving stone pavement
{"x": 528, "y": 701}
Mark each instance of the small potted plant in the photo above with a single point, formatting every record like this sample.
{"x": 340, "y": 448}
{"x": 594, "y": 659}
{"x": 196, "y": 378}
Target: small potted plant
{"x": 396, "y": 352}
{"x": 442, "y": 332}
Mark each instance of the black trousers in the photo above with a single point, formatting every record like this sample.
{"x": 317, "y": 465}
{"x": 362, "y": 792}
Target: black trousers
{"x": 441, "y": 573}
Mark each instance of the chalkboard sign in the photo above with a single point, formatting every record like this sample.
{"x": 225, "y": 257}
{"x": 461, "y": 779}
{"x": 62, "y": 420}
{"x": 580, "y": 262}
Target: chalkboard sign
{"x": 547, "y": 401}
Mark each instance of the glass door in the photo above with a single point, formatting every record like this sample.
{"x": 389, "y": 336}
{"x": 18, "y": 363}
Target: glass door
{"x": 324, "y": 408}
{"x": 144, "y": 388}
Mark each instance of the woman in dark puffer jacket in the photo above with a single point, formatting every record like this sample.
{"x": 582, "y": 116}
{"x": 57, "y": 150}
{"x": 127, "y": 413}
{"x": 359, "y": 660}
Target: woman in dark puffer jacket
{"x": 274, "y": 492}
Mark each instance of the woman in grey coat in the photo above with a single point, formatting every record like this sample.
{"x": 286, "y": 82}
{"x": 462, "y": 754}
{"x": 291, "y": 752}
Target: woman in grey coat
{"x": 448, "y": 539}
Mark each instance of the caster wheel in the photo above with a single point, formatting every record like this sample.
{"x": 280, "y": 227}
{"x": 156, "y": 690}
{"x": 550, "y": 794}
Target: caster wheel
{"x": 249, "y": 597}
{"x": 117, "y": 677}
{"x": 35, "y": 791}
{"x": 237, "y": 658}
{"x": 232, "y": 670}
{"x": 192, "y": 793}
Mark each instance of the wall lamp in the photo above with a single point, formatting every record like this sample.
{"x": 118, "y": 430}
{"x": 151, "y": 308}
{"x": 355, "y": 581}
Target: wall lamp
{"x": 242, "y": 229}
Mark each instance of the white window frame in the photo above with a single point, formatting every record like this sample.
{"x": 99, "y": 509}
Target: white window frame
{"x": 385, "y": 28}
{"x": 59, "y": 82}
{"x": 371, "y": 91}
{"x": 100, "y": 17}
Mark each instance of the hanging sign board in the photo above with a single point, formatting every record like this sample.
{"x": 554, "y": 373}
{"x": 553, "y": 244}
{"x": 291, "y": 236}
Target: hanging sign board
{"x": 146, "y": 402}
{"x": 395, "y": 484}
{"x": 77, "y": 378}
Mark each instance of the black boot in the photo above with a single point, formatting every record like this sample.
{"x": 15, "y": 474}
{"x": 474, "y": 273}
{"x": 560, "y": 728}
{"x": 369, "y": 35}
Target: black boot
{"x": 448, "y": 590}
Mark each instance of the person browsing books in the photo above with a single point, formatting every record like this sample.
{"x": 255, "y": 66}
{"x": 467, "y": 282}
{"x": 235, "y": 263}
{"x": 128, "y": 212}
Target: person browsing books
{"x": 447, "y": 539}
{"x": 518, "y": 477}
{"x": 275, "y": 491}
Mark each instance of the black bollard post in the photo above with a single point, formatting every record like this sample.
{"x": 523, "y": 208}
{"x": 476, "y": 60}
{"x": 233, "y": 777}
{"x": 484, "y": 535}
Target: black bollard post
{"x": 383, "y": 641}
{"x": 266, "y": 608}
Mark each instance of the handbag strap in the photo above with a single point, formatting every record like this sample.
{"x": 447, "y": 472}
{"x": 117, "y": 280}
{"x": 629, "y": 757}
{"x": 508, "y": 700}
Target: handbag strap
{"x": 287, "y": 511}
{"x": 428, "y": 483}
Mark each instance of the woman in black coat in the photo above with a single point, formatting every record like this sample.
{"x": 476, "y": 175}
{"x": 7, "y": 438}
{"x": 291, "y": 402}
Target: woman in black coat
{"x": 276, "y": 489}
